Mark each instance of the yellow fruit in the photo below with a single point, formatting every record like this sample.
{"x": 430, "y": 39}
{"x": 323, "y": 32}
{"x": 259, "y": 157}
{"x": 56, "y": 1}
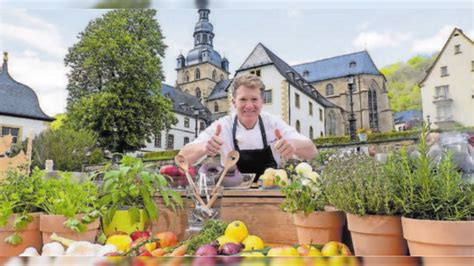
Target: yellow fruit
{"x": 252, "y": 254}
{"x": 270, "y": 172}
{"x": 267, "y": 180}
{"x": 282, "y": 252}
{"x": 252, "y": 242}
{"x": 226, "y": 239}
{"x": 237, "y": 230}
{"x": 122, "y": 242}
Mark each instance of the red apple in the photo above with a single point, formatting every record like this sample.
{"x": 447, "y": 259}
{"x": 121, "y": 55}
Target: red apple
{"x": 192, "y": 171}
{"x": 140, "y": 234}
{"x": 169, "y": 169}
{"x": 180, "y": 172}
{"x": 166, "y": 239}
{"x": 146, "y": 253}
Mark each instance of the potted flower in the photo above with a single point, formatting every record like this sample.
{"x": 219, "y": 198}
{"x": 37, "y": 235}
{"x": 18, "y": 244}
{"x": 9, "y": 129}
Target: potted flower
{"x": 127, "y": 193}
{"x": 437, "y": 206}
{"x": 362, "y": 133}
{"x": 70, "y": 208}
{"x": 19, "y": 213}
{"x": 367, "y": 192}
{"x": 306, "y": 200}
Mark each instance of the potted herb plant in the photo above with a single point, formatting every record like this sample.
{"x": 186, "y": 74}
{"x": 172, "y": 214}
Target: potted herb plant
{"x": 127, "y": 192}
{"x": 437, "y": 208}
{"x": 71, "y": 208}
{"x": 306, "y": 200}
{"x": 19, "y": 213}
{"x": 367, "y": 192}
{"x": 362, "y": 133}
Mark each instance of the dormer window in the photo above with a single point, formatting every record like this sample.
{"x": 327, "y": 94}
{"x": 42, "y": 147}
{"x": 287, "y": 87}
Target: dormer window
{"x": 352, "y": 64}
{"x": 305, "y": 73}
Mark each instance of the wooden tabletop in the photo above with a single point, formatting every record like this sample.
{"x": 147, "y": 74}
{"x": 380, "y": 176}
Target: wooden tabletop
{"x": 238, "y": 193}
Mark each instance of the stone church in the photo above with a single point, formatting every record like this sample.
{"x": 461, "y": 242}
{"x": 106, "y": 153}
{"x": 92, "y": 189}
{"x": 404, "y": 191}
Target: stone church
{"x": 204, "y": 73}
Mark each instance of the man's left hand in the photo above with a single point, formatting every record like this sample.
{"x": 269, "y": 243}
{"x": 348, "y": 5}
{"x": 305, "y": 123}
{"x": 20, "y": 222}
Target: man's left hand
{"x": 284, "y": 147}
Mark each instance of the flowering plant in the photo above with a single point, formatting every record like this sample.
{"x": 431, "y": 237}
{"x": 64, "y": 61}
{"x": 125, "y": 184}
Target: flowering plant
{"x": 363, "y": 130}
{"x": 304, "y": 193}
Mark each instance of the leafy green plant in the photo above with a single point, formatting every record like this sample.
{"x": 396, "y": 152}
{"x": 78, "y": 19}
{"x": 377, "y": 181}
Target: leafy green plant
{"x": 20, "y": 195}
{"x": 359, "y": 185}
{"x": 130, "y": 186}
{"x": 211, "y": 230}
{"x": 64, "y": 196}
{"x": 433, "y": 191}
{"x": 303, "y": 194}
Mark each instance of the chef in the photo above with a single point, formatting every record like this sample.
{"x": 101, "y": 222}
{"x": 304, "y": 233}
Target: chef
{"x": 261, "y": 138}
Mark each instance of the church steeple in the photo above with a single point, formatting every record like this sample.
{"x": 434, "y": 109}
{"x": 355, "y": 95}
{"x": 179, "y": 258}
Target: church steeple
{"x": 5, "y": 63}
{"x": 203, "y": 35}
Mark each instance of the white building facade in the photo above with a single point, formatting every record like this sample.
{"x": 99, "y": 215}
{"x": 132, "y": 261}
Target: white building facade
{"x": 447, "y": 91}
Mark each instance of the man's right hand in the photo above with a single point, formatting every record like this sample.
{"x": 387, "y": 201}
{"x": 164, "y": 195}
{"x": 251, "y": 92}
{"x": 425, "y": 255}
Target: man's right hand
{"x": 214, "y": 144}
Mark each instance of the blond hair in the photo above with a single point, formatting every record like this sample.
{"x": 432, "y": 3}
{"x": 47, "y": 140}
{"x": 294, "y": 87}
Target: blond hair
{"x": 249, "y": 81}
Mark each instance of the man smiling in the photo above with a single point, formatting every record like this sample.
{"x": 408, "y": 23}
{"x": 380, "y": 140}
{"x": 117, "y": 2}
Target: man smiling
{"x": 260, "y": 138}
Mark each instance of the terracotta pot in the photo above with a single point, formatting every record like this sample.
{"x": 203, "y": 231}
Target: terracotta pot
{"x": 391, "y": 261}
{"x": 439, "y": 239}
{"x": 50, "y": 224}
{"x": 31, "y": 236}
{"x": 319, "y": 227}
{"x": 377, "y": 235}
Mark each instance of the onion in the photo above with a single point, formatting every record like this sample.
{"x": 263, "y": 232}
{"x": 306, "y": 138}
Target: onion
{"x": 230, "y": 248}
{"x": 206, "y": 250}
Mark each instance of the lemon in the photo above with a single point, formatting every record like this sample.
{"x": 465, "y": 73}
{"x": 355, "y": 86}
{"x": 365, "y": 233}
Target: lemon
{"x": 252, "y": 242}
{"x": 286, "y": 251}
{"x": 122, "y": 242}
{"x": 237, "y": 230}
{"x": 252, "y": 254}
{"x": 223, "y": 239}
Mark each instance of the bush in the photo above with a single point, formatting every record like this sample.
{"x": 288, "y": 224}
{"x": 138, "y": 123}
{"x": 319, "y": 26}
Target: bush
{"x": 160, "y": 155}
{"x": 359, "y": 185}
{"x": 68, "y": 148}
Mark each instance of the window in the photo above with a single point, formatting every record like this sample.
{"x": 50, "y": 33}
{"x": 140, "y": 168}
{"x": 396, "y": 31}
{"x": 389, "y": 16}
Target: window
{"x": 186, "y": 122}
{"x": 329, "y": 89}
{"x": 216, "y": 107}
{"x": 198, "y": 92}
{"x": 305, "y": 73}
{"x": 373, "y": 109}
{"x": 457, "y": 49}
{"x": 256, "y": 72}
{"x": 298, "y": 126}
{"x": 297, "y": 100}
{"x": 320, "y": 114}
{"x": 185, "y": 140}
{"x": 352, "y": 64}
{"x": 214, "y": 75}
{"x": 267, "y": 96}
{"x": 443, "y": 113}
{"x": 310, "y": 108}
{"x": 14, "y": 131}
{"x": 205, "y": 38}
{"x": 321, "y": 134}
{"x": 202, "y": 126}
{"x": 222, "y": 77}
{"x": 442, "y": 92}
{"x": 158, "y": 140}
{"x": 311, "y": 133}
{"x": 186, "y": 76}
{"x": 472, "y": 65}
{"x": 170, "y": 142}
{"x": 197, "y": 74}
{"x": 444, "y": 71}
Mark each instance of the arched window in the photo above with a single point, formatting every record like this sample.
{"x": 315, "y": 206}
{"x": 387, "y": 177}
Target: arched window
{"x": 331, "y": 122}
{"x": 214, "y": 75}
{"x": 329, "y": 89}
{"x": 311, "y": 133}
{"x": 186, "y": 122}
{"x": 216, "y": 107}
{"x": 198, "y": 92}
{"x": 373, "y": 112}
{"x": 158, "y": 140}
{"x": 298, "y": 126}
{"x": 222, "y": 77}
{"x": 186, "y": 76}
{"x": 170, "y": 142}
{"x": 197, "y": 74}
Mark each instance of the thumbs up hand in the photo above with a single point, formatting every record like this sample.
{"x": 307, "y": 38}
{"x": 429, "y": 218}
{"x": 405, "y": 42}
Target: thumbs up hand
{"x": 284, "y": 147}
{"x": 214, "y": 144}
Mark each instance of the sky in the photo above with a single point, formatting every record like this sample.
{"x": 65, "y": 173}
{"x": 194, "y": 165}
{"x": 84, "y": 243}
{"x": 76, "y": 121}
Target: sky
{"x": 37, "y": 36}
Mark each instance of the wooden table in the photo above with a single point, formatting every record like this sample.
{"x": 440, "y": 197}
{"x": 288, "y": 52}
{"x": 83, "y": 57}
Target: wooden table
{"x": 258, "y": 209}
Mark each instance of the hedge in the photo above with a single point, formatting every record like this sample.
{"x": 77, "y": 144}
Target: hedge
{"x": 160, "y": 155}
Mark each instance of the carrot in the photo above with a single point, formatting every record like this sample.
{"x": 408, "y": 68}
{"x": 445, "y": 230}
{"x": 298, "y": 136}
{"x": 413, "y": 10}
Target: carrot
{"x": 180, "y": 251}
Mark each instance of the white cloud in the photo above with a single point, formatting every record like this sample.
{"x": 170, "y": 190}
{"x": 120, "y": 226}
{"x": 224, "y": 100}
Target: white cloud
{"x": 433, "y": 43}
{"x": 47, "y": 78}
{"x": 34, "y": 32}
{"x": 374, "y": 39}
{"x": 294, "y": 14}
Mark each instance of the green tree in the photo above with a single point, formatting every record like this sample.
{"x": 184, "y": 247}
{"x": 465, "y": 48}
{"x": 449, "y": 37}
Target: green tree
{"x": 123, "y": 4}
{"x": 402, "y": 82}
{"x": 115, "y": 80}
{"x": 68, "y": 148}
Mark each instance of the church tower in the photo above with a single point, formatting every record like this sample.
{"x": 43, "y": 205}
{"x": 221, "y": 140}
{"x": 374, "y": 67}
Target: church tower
{"x": 203, "y": 67}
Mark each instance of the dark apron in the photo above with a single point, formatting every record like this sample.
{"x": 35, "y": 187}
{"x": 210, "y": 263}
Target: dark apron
{"x": 254, "y": 161}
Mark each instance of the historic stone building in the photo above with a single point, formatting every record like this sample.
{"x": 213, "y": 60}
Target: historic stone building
{"x": 370, "y": 97}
